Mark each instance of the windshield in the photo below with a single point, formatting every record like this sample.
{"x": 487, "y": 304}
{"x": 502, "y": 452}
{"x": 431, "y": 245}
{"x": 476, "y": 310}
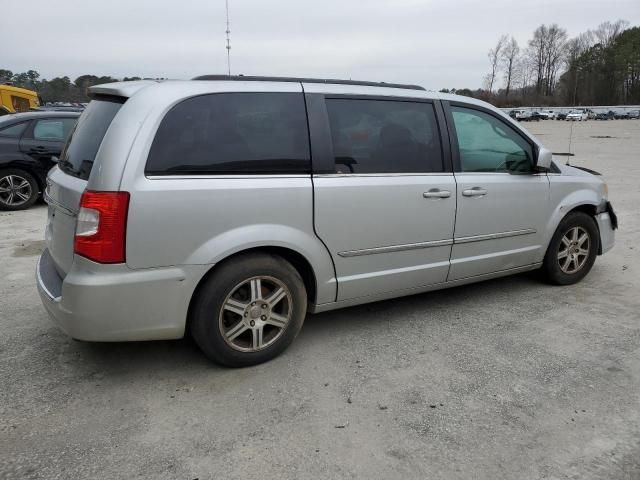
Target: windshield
{"x": 85, "y": 139}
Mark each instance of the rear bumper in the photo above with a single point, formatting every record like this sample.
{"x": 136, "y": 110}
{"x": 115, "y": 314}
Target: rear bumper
{"x": 110, "y": 303}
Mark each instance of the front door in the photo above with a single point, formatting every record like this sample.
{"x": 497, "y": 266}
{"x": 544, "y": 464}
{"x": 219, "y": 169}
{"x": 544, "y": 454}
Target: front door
{"x": 386, "y": 211}
{"x": 502, "y": 203}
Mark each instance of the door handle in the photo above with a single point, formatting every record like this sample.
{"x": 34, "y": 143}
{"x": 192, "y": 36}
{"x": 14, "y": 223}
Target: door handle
{"x": 437, "y": 193}
{"x": 474, "y": 192}
{"x": 38, "y": 149}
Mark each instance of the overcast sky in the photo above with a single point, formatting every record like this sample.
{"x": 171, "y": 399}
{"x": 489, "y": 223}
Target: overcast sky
{"x": 435, "y": 43}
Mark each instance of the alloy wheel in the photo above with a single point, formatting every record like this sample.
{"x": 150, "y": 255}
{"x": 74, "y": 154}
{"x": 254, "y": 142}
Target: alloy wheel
{"x": 574, "y": 250}
{"x": 255, "y": 314}
{"x": 14, "y": 190}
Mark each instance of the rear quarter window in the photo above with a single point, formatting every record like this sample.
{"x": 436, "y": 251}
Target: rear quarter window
{"x": 82, "y": 146}
{"x": 233, "y": 133}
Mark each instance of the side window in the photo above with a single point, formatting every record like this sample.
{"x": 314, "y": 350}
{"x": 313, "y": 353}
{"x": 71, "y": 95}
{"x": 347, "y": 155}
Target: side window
{"x": 233, "y": 133}
{"x": 487, "y": 144}
{"x": 57, "y": 129}
{"x": 14, "y": 130}
{"x": 20, "y": 104}
{"x": 384, "y": 136}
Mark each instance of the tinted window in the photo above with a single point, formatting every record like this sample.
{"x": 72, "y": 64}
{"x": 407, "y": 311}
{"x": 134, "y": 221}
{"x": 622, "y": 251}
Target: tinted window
{"x": 487, "y": 144}
{"x": 81, "y": 148}
{"x": 380, "y": 136}
{"x": 233, "y": 133}
{"x": 14, "y": 130}
{"x": 53, "y": 129}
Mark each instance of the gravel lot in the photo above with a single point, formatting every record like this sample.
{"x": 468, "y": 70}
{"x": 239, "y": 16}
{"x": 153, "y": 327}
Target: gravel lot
{"x": 507, "y": 379}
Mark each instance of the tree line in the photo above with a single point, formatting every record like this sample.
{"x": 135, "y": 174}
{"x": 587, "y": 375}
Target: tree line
{"x": 58, "y": 89}
{"x": 598, "y": 67}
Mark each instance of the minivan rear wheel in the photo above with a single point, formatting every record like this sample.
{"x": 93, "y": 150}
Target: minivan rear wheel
{"x": 18, "y": 189}
{"x": 573, "y": 249}
{"x": 249, "y": 310}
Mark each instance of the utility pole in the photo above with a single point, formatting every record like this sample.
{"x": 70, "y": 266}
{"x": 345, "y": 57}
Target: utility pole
{"x": 228, "y": 40}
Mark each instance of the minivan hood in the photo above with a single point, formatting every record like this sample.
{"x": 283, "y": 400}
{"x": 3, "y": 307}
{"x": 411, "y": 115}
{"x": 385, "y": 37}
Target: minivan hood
{"x": 576, "y": 171}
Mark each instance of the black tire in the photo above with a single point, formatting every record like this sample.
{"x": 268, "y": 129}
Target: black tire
{"x": 209, "y": 319}
{"x": 551, "y": 267}
{"x": 32, "y": 190}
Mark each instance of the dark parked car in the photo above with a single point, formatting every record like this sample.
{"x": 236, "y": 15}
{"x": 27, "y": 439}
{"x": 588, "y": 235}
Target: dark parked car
{"x": 621, "y": 116}
{"x": 634, "y": 114}
{"x": 610, "y": 115}
{"x": 28, "y": 141}
{"x": 561, "y": 116}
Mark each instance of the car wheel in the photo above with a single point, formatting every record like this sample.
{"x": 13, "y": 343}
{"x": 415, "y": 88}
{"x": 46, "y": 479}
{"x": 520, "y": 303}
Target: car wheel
{"x": 573, "y": 249}
{"x": 249, "y": 311}
{"x": 18, "y": 189}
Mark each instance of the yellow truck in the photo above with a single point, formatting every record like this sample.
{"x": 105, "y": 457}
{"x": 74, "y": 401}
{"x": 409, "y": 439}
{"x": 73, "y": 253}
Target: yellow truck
{"x": 15, "y": 99}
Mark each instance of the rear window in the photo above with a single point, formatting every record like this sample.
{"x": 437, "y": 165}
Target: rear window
{"x": 80, "y": 151}
{"x": 233, "y": 133}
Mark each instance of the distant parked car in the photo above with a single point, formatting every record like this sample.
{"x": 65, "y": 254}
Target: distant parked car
{"x": 535, "y": 117}
{"x": 518, "y": 114}
{"x": 610, "y": 115}
{"x": 634, "y": 114}
{"x": 577, "y": 115}
{"x": 547, "y": 115}
{"x": 28, "y": 143}
{"x": 621, "y": 116}
{"x": 561, "y": 116}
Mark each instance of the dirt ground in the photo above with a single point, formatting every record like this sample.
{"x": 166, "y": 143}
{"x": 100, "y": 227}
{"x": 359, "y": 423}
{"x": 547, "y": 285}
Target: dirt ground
{"x": 507, "y": 379}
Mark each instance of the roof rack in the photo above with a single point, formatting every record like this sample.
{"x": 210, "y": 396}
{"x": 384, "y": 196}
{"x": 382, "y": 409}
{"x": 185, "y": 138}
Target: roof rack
{"x": 251, "y": 78}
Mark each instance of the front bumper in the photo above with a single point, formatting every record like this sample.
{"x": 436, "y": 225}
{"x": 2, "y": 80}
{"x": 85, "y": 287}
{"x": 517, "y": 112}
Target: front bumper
{"x": 607, "y": 224}
{"x": 107, "y": 303}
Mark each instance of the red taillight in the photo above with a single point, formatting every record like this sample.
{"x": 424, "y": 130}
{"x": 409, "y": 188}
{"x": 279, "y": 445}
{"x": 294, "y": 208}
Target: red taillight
{"x": 102, "y": 226}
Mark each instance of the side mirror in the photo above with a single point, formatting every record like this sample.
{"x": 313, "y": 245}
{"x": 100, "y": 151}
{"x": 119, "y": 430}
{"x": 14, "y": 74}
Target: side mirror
{"x": 544, "y": 159}
{"x": 55, "y": 159}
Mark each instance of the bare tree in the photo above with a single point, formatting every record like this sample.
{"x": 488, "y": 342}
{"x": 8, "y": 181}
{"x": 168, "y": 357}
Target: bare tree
{"x": 494, "y": 61}
{"x": 556, "y": 48}
{"x": 509, "y": 58}
{"x": 537, "y": 54}
{"x": 546, "y": 50}
{"x": 525, "y": 72}
{"x": 607, "y": 32}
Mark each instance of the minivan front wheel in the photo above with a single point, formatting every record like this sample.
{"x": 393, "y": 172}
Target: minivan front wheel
{"x": 18, "y": 189}
{"x": 573, "y": 249}
{"x": 249, "y": 310}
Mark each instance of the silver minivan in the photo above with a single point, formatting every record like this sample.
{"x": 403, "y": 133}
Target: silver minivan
{"x": 229, "y": 207}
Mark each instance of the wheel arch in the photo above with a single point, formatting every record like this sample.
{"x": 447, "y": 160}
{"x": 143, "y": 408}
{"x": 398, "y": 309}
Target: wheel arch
{"x": 296, "y": 259}
{"x": 590, "y": 207}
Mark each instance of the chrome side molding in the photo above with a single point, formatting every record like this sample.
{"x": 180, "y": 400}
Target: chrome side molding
{"x": 493, "y": 236}
{"x": 395, "y": 248}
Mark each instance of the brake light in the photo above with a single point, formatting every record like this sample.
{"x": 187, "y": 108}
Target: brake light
{"x": 102, "y": 226}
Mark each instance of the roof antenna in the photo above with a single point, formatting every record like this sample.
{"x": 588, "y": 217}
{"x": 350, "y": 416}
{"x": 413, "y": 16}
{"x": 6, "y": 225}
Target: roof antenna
{"x": 228, "y": 32}
{"x": 569, "y": 154}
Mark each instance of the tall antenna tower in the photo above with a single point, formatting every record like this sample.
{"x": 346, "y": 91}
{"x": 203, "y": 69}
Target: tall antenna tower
{"x": 228, "y": 31}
